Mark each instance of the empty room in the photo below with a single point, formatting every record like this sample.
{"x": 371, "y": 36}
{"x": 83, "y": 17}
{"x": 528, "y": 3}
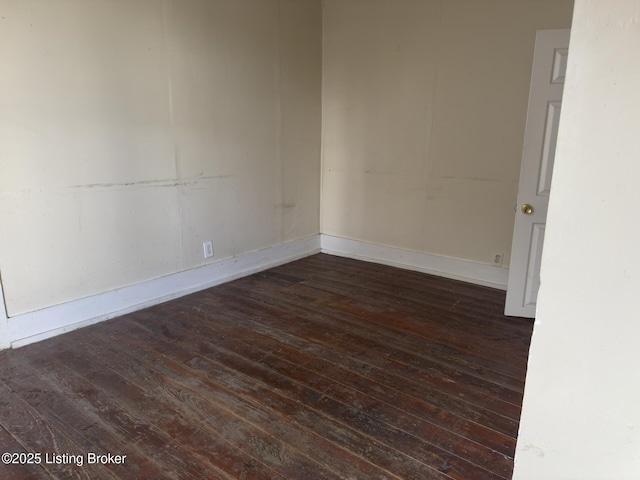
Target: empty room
{"x": 319, "y": 239}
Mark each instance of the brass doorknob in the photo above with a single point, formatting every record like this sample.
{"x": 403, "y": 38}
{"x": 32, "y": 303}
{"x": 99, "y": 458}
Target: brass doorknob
{"x": 526, "y": 209}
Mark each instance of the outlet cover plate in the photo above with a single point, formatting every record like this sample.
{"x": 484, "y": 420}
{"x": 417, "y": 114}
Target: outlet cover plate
{"x": 208, "y": 249}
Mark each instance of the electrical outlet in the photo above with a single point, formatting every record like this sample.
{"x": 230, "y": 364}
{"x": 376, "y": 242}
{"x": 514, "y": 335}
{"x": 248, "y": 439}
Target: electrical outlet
{"x": 496, "y": 259}
{"x": 208, "y": 249}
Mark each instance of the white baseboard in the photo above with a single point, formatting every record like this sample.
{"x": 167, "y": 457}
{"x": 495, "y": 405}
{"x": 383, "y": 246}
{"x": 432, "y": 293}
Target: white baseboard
{"x": 455, "y": 268}
{"x": 32, "y": 327}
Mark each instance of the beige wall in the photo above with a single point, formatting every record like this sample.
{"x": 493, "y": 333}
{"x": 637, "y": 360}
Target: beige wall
{"x": 424, "y": 107}
{"x": 580, "y": 417}
{"x": 131, "y": 132}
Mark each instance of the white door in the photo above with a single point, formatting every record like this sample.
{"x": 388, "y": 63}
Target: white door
{"x": 543, "y": 115}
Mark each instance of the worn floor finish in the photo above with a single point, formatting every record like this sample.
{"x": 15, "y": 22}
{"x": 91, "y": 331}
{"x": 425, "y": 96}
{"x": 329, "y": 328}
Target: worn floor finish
{"x": 324, "y": 368}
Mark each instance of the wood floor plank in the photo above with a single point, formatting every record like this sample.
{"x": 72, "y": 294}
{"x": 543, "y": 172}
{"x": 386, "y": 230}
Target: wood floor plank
{"x": 86, "y": 430}
{"x": 223, "y": 389}
{"x": 465, "y": 409}
{"x": 351, "y": 400}
{"x": 358, "y": 327}
{"x": 425, "y": 339}
{"x": 247, "y": 429}
{"x": 294, "y": 407}
{"x": 45, "y": 434}
{"x": 388, "y": 389}
{"x": 21, "y": 468}
{"x": 323, "y": 368}
{"x": 406, "y": 285}
{"x": 195, "y": 449}
{"x": 251, "y": 363}
{"x": 431, "y": 424}
{"x": 411, "y": 283}
{"x": 117, "y": 429}
{"x": 437, "y": 320}
{"x": 389, "y": 320}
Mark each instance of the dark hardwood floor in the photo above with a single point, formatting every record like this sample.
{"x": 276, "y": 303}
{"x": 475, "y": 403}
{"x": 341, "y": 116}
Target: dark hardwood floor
{"x": 324, "y": 368}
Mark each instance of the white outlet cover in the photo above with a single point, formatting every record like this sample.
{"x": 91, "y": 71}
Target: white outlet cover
{"x": 208, "y": 249}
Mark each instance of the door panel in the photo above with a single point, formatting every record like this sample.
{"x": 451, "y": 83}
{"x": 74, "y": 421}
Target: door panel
{"x": 538, "y": 157}
{"x": 549, "y": 148}
{"x": 560, "y": 57}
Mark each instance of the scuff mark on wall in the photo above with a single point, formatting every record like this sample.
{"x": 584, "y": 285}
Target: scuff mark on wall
{"x": 531, "y": 447}
{"x": 150, "y": 183}
{"x": 380, "y": 172}
{"x": 477, "y": 179}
